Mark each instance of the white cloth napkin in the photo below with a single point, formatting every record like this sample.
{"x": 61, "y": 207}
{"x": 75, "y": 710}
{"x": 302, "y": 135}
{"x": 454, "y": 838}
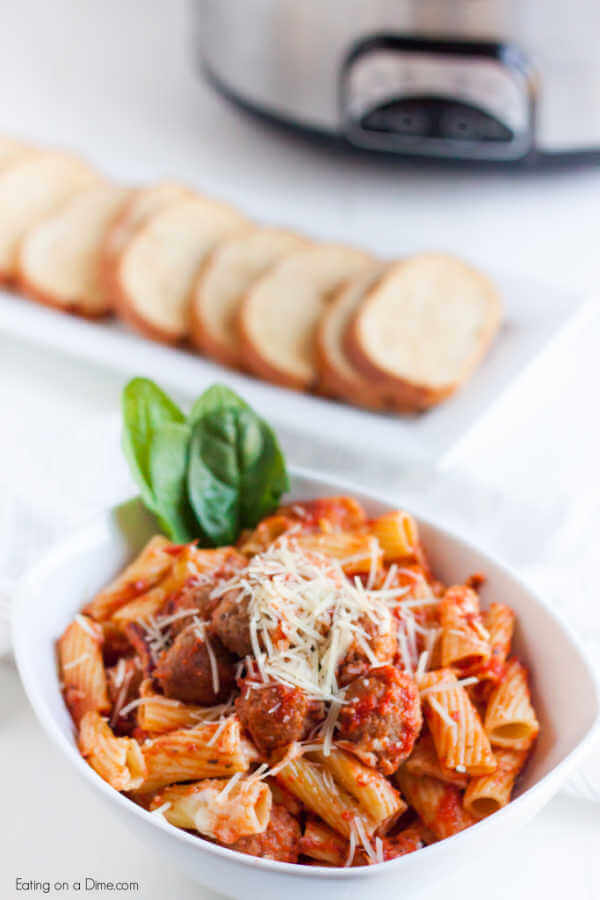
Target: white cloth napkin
{"x": 554, "y": 552}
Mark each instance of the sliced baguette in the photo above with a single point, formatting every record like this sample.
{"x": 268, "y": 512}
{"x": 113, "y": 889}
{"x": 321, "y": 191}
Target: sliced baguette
{"x": 423, "y": 327}
{"x": 229, "y": 272}
{"x": 338, "y": 377}
{"x": 279, "y": 314}
{"x": 29, "y": 190}
{"x": 59, "y": 257}
{"x": 13, "y": 151}
{"x": 141, "y": 206}
{"x": 157, "y": 269}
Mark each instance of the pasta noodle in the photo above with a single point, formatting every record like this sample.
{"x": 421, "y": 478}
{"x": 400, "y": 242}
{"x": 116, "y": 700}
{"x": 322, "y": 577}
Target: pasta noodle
{"x": 118, "y": 760}
{"x": 374, "y": 793}
{"x": 460, "y": 740}
{"x": 82, "y": 668}
{"x": 424, "y": 761}
{"x": 465, "y": 642}
{"x": 357, "y": 553}
{"x": 143, "y": 573}
{"x": 321, "y": 842}
{"x": 487, "y": 794}
{"x": 397, "y": 535}
{"x": 439, "y": 805}
{"x": 191, "y": 754}
{"x": 157, "y": 714}
{"x": 318, "y": 791}
{"x": 225, "y": 810}
{"x": 510, "y": 720}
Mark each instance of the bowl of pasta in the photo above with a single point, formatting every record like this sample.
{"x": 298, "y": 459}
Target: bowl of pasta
{"x": 347, "y": 699}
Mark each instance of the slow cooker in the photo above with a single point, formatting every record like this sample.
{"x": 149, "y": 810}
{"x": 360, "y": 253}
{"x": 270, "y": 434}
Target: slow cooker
{"x": 480, "y": 80}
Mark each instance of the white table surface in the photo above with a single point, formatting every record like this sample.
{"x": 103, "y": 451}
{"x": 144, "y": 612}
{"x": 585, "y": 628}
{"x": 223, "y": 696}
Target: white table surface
{"x": 115, "y": 80}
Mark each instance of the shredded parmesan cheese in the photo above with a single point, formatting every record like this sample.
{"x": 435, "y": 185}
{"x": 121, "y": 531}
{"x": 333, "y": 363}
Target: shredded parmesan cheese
{"x": 161, "y": 810}
{"x": 449, "y": 685}
{"x": 442, "y": 713}
{"x": 82, "y": 621}
{"x": 154, "y": 699}
{"x": 363, "y": 838}
{"x": 76, "y": 662}
{"x": 351, "y": 848}
{"x": 304, "y": 615}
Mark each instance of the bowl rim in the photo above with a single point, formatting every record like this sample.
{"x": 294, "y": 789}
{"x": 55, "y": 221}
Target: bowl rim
{"x": 82, "y": 536}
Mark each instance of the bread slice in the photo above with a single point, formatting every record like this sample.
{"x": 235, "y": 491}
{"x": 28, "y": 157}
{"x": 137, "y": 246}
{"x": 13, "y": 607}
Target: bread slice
{"x": 59, "y": 257}
{"x": 141, "y": 206}
{"x": 12, "y": 151}
{"x": 423, "y": 327}
{"x": 157, "y": 269}
{"x": 29, "y": 190}
{"x": 229, "y": 272}
{"x": 338, "y": 377}
{"x": 279, "y": 314}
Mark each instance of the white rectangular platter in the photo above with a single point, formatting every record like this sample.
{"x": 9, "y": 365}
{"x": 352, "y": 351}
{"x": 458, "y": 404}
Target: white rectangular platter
{"x": 536, "y": 317}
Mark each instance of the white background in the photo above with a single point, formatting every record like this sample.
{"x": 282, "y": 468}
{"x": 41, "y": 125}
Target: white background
{"x": 116, "y": 80}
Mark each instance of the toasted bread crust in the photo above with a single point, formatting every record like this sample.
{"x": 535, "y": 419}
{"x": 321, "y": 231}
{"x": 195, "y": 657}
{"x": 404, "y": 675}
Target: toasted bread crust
{"x": 175, "y": 242}
{"x": 418, "y": 394}
{"x": 58, "y": 258}
{"x": 31, "y": 188}
{"x": 249, "y": 255}
{"x": 338, "y": 378}
{"x": 45, "y": 298}
{"x": 277, "y": 340}
{"x": 142, "y": 204}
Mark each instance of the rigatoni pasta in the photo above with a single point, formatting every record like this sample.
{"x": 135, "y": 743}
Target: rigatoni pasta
{"x": 225, "y": 810}
{"x": 374, "y": 793}
{"x": 322, "y": 795}
{"x": 458, "y": 734}
{"x": 81, "y": 668}
{"x": 438, "y": 805}
{"x": 487, "y": 794}
{"x": 510, "y": 720}
{"x": 425, "y": 761}
{"x": 207, "y": 751}
{"x": 143, "y": 573}
{"x": 465, "y": 642}
{"x": 118, "y": 760}
{"x": 312, "y": 695}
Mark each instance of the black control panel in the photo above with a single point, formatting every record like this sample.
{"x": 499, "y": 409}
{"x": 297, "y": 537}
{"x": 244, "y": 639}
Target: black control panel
{"x": 438, "y": 98}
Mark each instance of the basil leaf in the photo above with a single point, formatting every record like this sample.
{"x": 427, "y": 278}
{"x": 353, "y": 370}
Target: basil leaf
{"x": 236, "y": 472}
{"x": 217, "y": 398}
{"x": 168, "y": 462}
{"x": 145, "y": 409}
{"x": 264, "y": 476}
{"x": 212, "y": 466}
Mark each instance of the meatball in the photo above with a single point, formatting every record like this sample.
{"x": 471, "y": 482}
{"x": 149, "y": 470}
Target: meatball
{"x": 279, "y": 841}
{"x": 231, "y": 622}
{"x": 195, "y": 595}
{"x": 381, "y": 718}
{"x": 195, "y": 599}
{"x": 184, "y": 670}
{"x": 274, "y": 714}
{"x": 382, "y": 641}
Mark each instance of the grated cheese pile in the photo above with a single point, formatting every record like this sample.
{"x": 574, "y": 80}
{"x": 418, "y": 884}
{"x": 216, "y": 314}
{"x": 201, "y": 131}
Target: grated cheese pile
{"x": 304, "y": 615}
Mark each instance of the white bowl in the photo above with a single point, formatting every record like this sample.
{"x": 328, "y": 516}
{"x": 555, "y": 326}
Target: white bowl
{"x": 565, "y": 694}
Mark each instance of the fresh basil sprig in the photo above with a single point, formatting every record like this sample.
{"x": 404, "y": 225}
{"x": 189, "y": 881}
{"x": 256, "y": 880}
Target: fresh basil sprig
{"x": 206, "y": 477}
